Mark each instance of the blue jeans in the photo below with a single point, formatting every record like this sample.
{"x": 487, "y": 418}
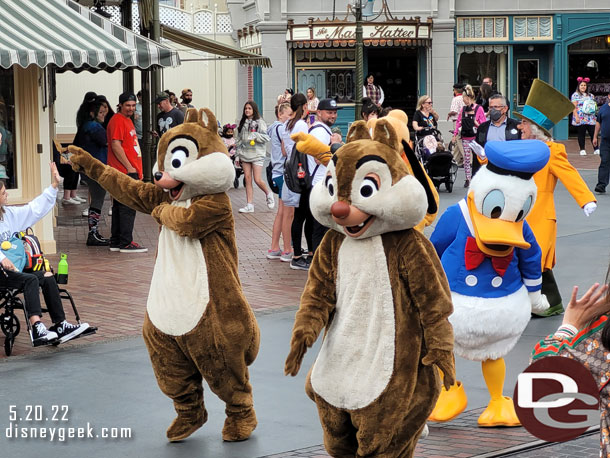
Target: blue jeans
{"x": 604, "y": 167}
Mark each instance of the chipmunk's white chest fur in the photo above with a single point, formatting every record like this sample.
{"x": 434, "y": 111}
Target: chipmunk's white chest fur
{"x": 356, "y": 360}
{"x": 179, "y": 291}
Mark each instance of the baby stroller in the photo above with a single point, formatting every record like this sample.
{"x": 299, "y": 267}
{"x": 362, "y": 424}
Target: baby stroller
{"x": 238, "y": 172}
{"x": 437, "y": 160}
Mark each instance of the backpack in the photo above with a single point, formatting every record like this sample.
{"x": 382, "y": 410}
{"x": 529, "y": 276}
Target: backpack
{"x": 589, "y": 106}
{"x": 291, "y": 171}
{"x": 14, "y": 250}
{"x": 468, "y": 127}
{"x": 33, "y": 251}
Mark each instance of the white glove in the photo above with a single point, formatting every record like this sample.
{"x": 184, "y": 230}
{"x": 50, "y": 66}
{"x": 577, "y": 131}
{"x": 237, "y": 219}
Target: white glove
{"x": 478, "y": 149}
{"x": 589, "y": 208}
{"x": 539, "y": 302}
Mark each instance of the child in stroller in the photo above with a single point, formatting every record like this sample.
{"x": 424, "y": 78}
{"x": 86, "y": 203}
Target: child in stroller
{"x": 437, "y": 160}
{"x": 229, "y": 141}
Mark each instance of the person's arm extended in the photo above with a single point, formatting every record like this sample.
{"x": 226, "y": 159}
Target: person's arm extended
{"x": 596, "y": 133}
{"x": 119, "y": 152}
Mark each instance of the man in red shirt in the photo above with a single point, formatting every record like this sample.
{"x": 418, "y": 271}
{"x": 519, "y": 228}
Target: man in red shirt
{"x": 125, "y": 156}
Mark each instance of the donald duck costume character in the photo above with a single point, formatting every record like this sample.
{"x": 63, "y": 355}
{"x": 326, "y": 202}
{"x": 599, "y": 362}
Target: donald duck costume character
{"x": 492, "y": 262}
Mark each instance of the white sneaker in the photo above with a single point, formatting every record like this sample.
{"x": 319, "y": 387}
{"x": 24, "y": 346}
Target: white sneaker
{"x": 270, "y": 201}
{"x": 596, "y": 152}
{"x": 249, "y": 208}
{"x": 70, "y": 202}
{"x": 80, "y": 199}
{"x": 583, "y": 152}
{"x": 85, "y": 213}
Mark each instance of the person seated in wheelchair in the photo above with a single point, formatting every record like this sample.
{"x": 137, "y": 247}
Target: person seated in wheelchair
{"x": 19, "y": 218}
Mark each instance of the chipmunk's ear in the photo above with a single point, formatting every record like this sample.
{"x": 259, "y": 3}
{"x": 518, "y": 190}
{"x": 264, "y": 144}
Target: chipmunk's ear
{"x": 383, "y": 132}
{"x": 192, "y": 115}
{"x": 358, "y": 131}
{"x": 420, "y": 174}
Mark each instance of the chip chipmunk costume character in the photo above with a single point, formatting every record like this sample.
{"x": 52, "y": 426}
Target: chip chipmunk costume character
{"x": 398, "y": 119}
{"x": 198, "y": 324}
{"x": 378, "y": 288}
{"x": 492, "y": 262}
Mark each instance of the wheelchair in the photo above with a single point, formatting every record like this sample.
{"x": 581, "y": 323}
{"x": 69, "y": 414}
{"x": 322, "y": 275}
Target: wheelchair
{"x": 9, "y": 323}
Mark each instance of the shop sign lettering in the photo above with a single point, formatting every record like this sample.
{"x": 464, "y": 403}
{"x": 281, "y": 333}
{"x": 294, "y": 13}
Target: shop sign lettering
{"x": 370, "y": 32}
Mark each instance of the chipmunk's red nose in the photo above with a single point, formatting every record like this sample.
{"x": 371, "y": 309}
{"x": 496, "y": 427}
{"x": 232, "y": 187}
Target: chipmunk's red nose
{"x": 340, "y": 209}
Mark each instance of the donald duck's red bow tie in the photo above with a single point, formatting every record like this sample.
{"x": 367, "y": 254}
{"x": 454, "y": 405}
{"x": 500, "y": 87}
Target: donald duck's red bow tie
{"x": 474, "y": 257}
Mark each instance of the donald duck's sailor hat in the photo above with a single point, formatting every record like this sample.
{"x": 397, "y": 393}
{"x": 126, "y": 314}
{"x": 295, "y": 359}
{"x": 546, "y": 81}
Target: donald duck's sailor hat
{"x": 520, "y": 158}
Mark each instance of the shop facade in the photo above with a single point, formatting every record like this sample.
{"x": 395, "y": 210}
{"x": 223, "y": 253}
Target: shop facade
{"x": 515, "y": 48}
{"x": 312, "y": 45}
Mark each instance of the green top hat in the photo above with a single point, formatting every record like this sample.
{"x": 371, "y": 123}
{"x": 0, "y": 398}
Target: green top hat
{"x": 545, "y": 106}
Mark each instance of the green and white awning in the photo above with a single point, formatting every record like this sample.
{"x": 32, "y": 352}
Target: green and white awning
{"x": 72, "y": 37}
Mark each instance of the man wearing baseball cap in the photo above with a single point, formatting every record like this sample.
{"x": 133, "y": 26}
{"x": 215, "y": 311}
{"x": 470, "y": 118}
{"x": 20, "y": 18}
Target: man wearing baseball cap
{"x": 187, "y": 98}
{"x": 124, "y": 155}
{"x": 321, "y": 129}
{"x": 169, "y": 116}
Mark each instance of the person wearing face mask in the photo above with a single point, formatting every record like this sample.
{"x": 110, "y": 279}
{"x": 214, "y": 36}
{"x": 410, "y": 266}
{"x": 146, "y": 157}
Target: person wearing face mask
{"x": 499, "y": 127}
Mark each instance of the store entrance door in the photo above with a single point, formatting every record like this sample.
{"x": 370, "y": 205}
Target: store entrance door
{"x": 590, "y": 58}
{"x": 529, "y": 62}
{"x": 396, "y": 70}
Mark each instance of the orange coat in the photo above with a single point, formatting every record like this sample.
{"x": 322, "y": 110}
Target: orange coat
{"x": 542, "y": 218}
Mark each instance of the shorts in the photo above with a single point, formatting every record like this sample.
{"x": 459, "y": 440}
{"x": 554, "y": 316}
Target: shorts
{"x": 279, "y": 183}
{"x": 290, "y": 198}
{"x": 260, "y": 162}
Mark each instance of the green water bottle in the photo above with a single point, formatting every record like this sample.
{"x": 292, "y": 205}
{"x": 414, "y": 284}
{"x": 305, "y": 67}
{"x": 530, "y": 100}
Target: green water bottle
{"x": 62, "y": 270}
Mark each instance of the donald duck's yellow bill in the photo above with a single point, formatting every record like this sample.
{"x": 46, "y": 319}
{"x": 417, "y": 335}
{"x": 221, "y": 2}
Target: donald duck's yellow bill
{"x": 494, "y": 236}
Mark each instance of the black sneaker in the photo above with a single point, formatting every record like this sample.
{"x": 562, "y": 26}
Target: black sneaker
{"x": 133, "y": 247}
{"x": 308, "y": 259}
{"x": 600, "y": 190}
{"x": 299, "y": 264}
{"x": 41, "y": 335}
{"x": 114, "y": 247}
{"x": 66, "y": 331}
{"x": 95, "y": 239}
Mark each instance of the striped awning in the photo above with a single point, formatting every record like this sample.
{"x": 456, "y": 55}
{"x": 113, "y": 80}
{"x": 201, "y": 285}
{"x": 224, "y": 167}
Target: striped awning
{"x": 200, "y": 43}
{"x": 72, "y": 37}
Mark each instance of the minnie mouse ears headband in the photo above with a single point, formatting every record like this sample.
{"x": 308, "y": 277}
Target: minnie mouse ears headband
{"x": 580, "y": 79}
{"x": 229, "y": 126}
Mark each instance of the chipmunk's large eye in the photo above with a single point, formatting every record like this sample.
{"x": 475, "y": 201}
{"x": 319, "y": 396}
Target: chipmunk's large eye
{"x": 369, "y": 187}
{"x": 179, "y": 156}
{"x": 329, "y": 185}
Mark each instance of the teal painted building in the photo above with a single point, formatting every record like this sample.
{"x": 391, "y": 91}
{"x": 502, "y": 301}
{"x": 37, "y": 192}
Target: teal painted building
{"x": 515, "y": 49}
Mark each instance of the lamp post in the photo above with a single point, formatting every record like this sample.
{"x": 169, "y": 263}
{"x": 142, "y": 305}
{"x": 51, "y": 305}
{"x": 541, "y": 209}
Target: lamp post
{"x": 357, "y": 6}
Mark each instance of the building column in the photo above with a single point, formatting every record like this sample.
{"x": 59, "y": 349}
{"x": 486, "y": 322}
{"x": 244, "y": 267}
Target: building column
{"x": 279, "y": 77}
{"x": 442, "y": 66}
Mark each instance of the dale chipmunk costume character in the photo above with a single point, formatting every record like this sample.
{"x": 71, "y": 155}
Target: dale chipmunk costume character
{"x": 398, "y": 119}
{"x": 198, "y": 323}
{"x": 378, "y": 288}
{"x": 492, "y": 262}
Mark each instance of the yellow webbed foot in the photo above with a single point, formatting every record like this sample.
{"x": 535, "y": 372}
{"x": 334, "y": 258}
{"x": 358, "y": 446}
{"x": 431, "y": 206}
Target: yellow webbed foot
{"x": 450, "y": 403}
{"x": 499, "y": 412}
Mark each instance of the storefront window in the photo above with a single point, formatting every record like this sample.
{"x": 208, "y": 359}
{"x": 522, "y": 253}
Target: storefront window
{"x": 482, "y": 28}
{"x": 533, "y": 27}
{"x": 336, "y": 83}
{"x": 320, "y": 56}
{"x": 477, "y": 62}
{"x": 8, "y": 161}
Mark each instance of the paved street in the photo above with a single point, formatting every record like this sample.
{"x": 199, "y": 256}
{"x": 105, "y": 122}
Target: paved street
{"x": 107, "y": 380}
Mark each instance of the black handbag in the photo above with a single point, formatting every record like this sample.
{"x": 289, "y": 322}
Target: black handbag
{"x": 272, "y": 185}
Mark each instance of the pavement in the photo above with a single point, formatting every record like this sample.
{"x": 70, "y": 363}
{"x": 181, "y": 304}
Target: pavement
{"x": 106, "y": 379}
